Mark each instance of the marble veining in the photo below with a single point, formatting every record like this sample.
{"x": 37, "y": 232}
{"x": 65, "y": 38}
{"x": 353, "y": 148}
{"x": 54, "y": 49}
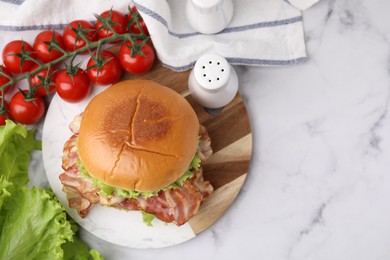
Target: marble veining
{"x": 319, "y": 181}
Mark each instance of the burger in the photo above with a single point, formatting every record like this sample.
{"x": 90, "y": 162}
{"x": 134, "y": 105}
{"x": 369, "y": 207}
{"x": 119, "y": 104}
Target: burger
{"x": 137, "y": 146}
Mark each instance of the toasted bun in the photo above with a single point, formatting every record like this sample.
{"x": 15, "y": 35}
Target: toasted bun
{"x": 138, "y": 135}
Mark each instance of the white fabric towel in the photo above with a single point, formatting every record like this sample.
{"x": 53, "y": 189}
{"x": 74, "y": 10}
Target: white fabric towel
{"x": 262, "y": 32}
{"x": 24, "y": 19}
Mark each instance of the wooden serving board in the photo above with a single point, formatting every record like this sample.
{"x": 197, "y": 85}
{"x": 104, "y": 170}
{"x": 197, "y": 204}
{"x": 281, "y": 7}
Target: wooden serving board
{"x": 226, "y": 169}
{"x": 231, "y": 141}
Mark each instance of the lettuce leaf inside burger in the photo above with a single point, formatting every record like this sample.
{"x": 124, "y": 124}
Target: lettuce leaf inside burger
{"x": 137, "y": 146}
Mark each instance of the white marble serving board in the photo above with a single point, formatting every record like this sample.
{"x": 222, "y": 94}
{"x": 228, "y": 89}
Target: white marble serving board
{"x": 124, "y": 228}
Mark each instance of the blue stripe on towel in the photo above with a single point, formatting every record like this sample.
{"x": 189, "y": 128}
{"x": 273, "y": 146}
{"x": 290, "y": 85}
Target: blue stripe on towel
{"x": 244, "y": 61}
{"x": 14, "y": 28}
{"x": 262, "y": 24}
{"x": 32, "y": 27}
{"x": 15, "y": 2}
{"x": 162, "y": 20}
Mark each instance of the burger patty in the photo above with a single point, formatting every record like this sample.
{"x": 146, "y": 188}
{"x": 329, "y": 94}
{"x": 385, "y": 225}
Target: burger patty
{"x": 174, "y": 205}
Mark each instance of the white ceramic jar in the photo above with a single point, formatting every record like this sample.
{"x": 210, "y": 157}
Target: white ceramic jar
{"x": 209, "y": 16}
{"x": 213, "y": 82}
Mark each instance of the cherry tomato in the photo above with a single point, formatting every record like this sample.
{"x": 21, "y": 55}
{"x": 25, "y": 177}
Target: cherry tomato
{"x": 73, "y": 88}
{"x": 134, "y": 28}
{"x": 41, "y": 48}
{"x": 118, "y": 20}
{"x": 27, "y": 111}
{"x": 109, "y": 73}
{"x": 2, "y": 120}
{"x": 4, "y": 79}
{"x": 12, "y": 61}
{"x": 70, "y": 36}
{"x": 138, "y": 64}
{"x": 5, "y": 115}
{"x": 49, "y": 78}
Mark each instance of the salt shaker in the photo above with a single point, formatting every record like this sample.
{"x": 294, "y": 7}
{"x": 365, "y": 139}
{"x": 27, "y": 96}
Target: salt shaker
{"x": 209, "y": 16}
{"x": 213, "y": 82}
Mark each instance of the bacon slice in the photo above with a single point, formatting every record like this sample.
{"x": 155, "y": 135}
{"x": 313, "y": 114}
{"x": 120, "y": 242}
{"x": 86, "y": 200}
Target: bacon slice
{"x": 204, "y": 146}
{"x": 174, "y": 205}
{"x": 80, "y": 192}
{"x": 75, "y": 124}
{"x": 204, "y": 187}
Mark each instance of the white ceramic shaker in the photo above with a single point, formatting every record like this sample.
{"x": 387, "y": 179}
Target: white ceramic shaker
{"x": 213, "y": 82}
{"x": 209, "y": 16}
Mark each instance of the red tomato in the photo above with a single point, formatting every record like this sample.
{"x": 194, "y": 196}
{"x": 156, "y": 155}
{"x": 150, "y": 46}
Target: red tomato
{"x": 41, "y": 48}
{"x": 27, "y": 111}
{"x": 118, "y": 24}
{"x": 48, "y": 80}
{"x": 70, "y": 36}
{"x": 12, "y": 61}
{"x": 5, "y": 115}
{"x": 138, "y": 64}
{"x": 109, "y": 73}
{"x": 73, "y": 88}
{"x": 2, "y": 120}
{"x": 134, "y": 28}
{"x": 4, "y": 79}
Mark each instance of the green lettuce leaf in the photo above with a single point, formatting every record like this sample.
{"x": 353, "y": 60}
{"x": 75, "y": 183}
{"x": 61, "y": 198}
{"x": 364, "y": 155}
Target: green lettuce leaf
{"x": 107, "y": 191}
{"x": 195, "y": 163}
{"x": 16, "y": 145}
{"x": 179, "y": 182}
{"x": 147, "y": 218}
{"x": 95, "y": 255}
{"x": 78, "y": 250}
{"x": 5, "y": 190}
{"x": 35, "y": 226}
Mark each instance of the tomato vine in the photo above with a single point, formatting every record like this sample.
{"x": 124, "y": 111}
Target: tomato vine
{"x": 114, "y": 33}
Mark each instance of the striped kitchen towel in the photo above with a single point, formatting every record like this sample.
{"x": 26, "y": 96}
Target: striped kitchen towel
{"x": 23, "y": 19}
{"x": 262, "y": 32}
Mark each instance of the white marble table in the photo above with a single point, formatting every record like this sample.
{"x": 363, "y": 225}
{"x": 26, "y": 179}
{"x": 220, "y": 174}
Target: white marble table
{"x": 319, "y": 181}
